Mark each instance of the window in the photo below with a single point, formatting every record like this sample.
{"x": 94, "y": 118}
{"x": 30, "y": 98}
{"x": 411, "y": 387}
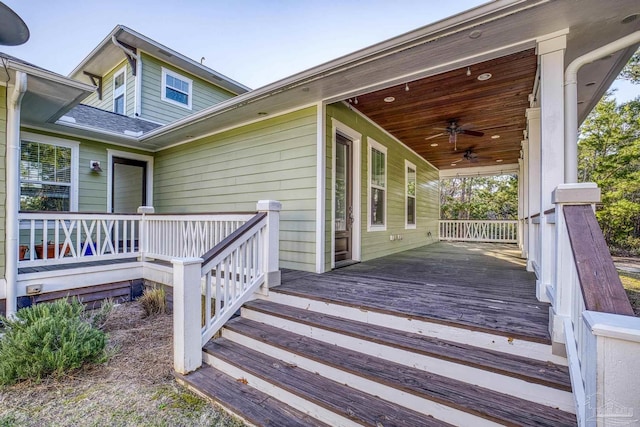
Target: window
{"x": 119, "y": 87}
{"x": 377, "y": 186}
{"x": 48, "y": 174}
{"x": 176, "y": 89}
{"x": 410, "y": 194}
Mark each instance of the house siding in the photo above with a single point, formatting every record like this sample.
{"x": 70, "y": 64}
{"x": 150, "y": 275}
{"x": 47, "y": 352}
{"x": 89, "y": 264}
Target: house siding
{"x": 375, "y": 244}
{"x": 204, "y": 94}
{"x": 271, "y": 159}
{"x": 106, "y": 103}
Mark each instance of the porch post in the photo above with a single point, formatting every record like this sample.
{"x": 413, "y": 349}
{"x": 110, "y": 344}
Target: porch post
{"x": 187, "y": 317}
{"x": 562, "y": 297}
{"x": 520, "y": 206}
{"x": 272, "y": 239}
{"x": 533, "y": 186}
{"x": 551, "y": 53}
{"x": 525, "y": 198}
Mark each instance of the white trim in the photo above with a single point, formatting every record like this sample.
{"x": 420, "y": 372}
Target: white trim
{"x": 3, "y": 289}
{"x": 166, "y": 72}
{"x": 408, "y": 165}
{"x": 133, "y": 156}
{"x": 321, "y": 173}
{"x": 508, "y": 169}
{"x": 121, "y": 91}
{"x": 356, "y": 166}
{"x": 87, "y": 138}
{"x": 75, "y": 161}
{"x": 373, "y": 144}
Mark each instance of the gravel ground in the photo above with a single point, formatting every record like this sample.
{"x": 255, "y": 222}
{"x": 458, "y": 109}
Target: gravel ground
{"x": 134, "y": 388}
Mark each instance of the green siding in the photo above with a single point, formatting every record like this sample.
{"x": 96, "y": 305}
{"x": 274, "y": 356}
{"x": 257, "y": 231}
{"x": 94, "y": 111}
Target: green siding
{"x": 204, "y": 94}
{"x": 377, "y": 243}
{"x": 106, "y": 103}
{"x": 272, "y": 159}
{"x": 3, "y": 188}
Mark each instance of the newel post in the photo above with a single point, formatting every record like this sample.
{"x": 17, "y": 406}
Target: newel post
{"x": 272, "y": 242}
{"x": 143, "y": 233}
{"x": 586, "y": 193}
{"x": 187, "y": 317}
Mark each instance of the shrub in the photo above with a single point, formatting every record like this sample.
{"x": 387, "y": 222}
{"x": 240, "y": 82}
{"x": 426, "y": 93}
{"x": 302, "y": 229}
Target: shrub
{"x": 153, "y": 301}
{"x": 48, "y": 339}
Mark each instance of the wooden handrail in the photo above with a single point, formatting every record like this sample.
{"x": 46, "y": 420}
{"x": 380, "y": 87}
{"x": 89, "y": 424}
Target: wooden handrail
{"x": 601, "y": 286}
{"x": 231, "y": 238}
{"x": 549, "y": 211}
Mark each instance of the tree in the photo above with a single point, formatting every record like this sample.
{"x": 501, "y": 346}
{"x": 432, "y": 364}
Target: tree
{"x": 609, "y": 155}
{"x": 632, "y": 70}
{"x": 480, "y": 198}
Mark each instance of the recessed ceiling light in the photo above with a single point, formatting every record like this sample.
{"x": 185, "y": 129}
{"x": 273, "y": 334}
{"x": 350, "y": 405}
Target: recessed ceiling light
{"x": 495, "y": 136}
{"x": 453, "y": 164}
{"x": 629, "y": 19}
{"x": 435, "y": 144}
{"x": 590, "y": 84}
{"x": 484, "y": 76}
{"x": 475, "y": 34}
{"x": 499, "y": 161}
{"x": 389, "y": 99}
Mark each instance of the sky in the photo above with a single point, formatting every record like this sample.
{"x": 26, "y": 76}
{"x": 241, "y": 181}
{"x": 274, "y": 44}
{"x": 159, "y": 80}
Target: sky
{"x": 254, "y": 42}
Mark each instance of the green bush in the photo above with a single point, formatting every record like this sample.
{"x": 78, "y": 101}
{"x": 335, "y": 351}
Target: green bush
{"x": 48, "y": 339}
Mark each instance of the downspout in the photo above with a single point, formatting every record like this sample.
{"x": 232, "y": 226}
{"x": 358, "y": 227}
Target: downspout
{"x": 12, "y": 205}
{"x": 137, "y": 100}
{"x": 571, "y": 100}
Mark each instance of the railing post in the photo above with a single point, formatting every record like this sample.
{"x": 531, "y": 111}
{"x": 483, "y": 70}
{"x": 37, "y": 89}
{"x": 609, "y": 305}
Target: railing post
{"x": 272, "y": 242}
{"x": 143, "y": 232}
{"x": 565, "y": 277}
{"x": 187, "y": 307}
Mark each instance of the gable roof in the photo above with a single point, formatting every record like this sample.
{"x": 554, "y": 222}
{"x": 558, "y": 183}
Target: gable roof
{"x": 106, "y": 55}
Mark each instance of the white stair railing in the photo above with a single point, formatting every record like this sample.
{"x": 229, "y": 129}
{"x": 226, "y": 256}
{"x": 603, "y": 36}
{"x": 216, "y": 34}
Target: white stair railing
{"x": 498, "y": 231}
{"x": 207, "y": 291}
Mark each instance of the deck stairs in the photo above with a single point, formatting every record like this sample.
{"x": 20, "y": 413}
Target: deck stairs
{"x": 296, "y": 360}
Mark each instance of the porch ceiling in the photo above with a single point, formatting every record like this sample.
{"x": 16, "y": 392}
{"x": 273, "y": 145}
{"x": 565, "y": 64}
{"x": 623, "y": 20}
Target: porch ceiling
{"x": 495, "y": 107}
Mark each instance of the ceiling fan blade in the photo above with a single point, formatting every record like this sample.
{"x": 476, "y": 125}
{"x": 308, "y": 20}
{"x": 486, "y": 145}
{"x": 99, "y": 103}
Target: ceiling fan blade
{"x": 459, "y": 160}
{"x": 472, "y": 132}
{"x": 434, "y": 136}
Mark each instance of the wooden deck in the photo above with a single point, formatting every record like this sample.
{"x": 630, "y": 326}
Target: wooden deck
{"x": 479, "y": 286}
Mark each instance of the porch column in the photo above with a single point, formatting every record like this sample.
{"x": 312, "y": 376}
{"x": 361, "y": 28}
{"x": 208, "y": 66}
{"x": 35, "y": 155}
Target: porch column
{"x": 524, "y": 178}
{"x": 533, "y": 187}
{"x": 272, "y": 239}
{"x": 521, "y": 214}
{"x": 551, "y": 53}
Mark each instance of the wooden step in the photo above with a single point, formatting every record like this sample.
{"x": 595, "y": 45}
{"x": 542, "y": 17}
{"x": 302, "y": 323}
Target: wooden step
{"x": 455, "y": 395}
{"x": 330, "y": 401}
{"x": 245, "y": 401}
{"x": 437, "y": 328}
{"x": 532, "y": 371}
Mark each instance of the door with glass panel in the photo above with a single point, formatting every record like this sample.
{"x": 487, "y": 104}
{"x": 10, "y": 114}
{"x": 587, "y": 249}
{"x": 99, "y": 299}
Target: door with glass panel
{"x": 129, "y": 185}
{"x": 343, "y": 203}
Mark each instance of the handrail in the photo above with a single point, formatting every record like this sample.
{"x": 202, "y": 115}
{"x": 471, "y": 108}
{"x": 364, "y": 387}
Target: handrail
{"x": 601, "y": 286}
{"x": 502, "y": 231}
{"x": 229, "y": 240}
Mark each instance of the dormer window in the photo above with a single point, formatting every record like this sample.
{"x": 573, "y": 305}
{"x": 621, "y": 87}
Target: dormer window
{"x": 176, "y": 89}
{"x": 119, "y": 87}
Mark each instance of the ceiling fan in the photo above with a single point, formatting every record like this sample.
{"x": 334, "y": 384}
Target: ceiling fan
{"x": 469, "y": 155}
{"x": 453, "y": 129}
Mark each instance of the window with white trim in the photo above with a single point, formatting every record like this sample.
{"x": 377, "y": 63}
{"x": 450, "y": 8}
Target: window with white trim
{"x": 119, "y": 88}
{"x": 176, "y": 89}
{"x": 377, "y": 186}
{"x": 48, "y": 174}
{"x": 410, "y": 194}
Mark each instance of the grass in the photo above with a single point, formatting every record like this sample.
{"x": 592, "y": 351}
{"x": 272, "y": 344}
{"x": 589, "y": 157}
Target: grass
{"x": 135, "y": 387}
{"x": 631, "y": 283}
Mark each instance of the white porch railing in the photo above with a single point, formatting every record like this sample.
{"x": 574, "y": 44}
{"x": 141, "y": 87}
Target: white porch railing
{"x": 207, "y": 291}
{"x": 591, "y": 314}
{"x": 479, "y": 231}
{"x": 65, "y": 238}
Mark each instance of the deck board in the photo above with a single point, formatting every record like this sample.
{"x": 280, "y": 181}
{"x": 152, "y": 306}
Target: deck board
{"x": 482, "y": 287}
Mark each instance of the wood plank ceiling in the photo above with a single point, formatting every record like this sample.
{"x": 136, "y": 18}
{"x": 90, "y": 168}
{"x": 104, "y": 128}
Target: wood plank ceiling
{"x": 495, "y": 107}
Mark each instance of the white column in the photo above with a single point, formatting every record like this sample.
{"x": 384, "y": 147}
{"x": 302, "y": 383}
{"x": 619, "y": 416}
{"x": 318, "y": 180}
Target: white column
{"x": 12, "y": 177}
{"x": 551, "y": 52}
{"x": 525, "y": 198}
{"x": 562, "y": 303}
{"x": 272, "y": 239}
{"x": 187, "y": 316}
{"x": 533, "y": 184}
{"x": 521, "y": 215}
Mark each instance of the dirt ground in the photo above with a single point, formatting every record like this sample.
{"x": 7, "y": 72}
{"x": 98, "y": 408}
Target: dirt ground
{"x": 134, "y": 388}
